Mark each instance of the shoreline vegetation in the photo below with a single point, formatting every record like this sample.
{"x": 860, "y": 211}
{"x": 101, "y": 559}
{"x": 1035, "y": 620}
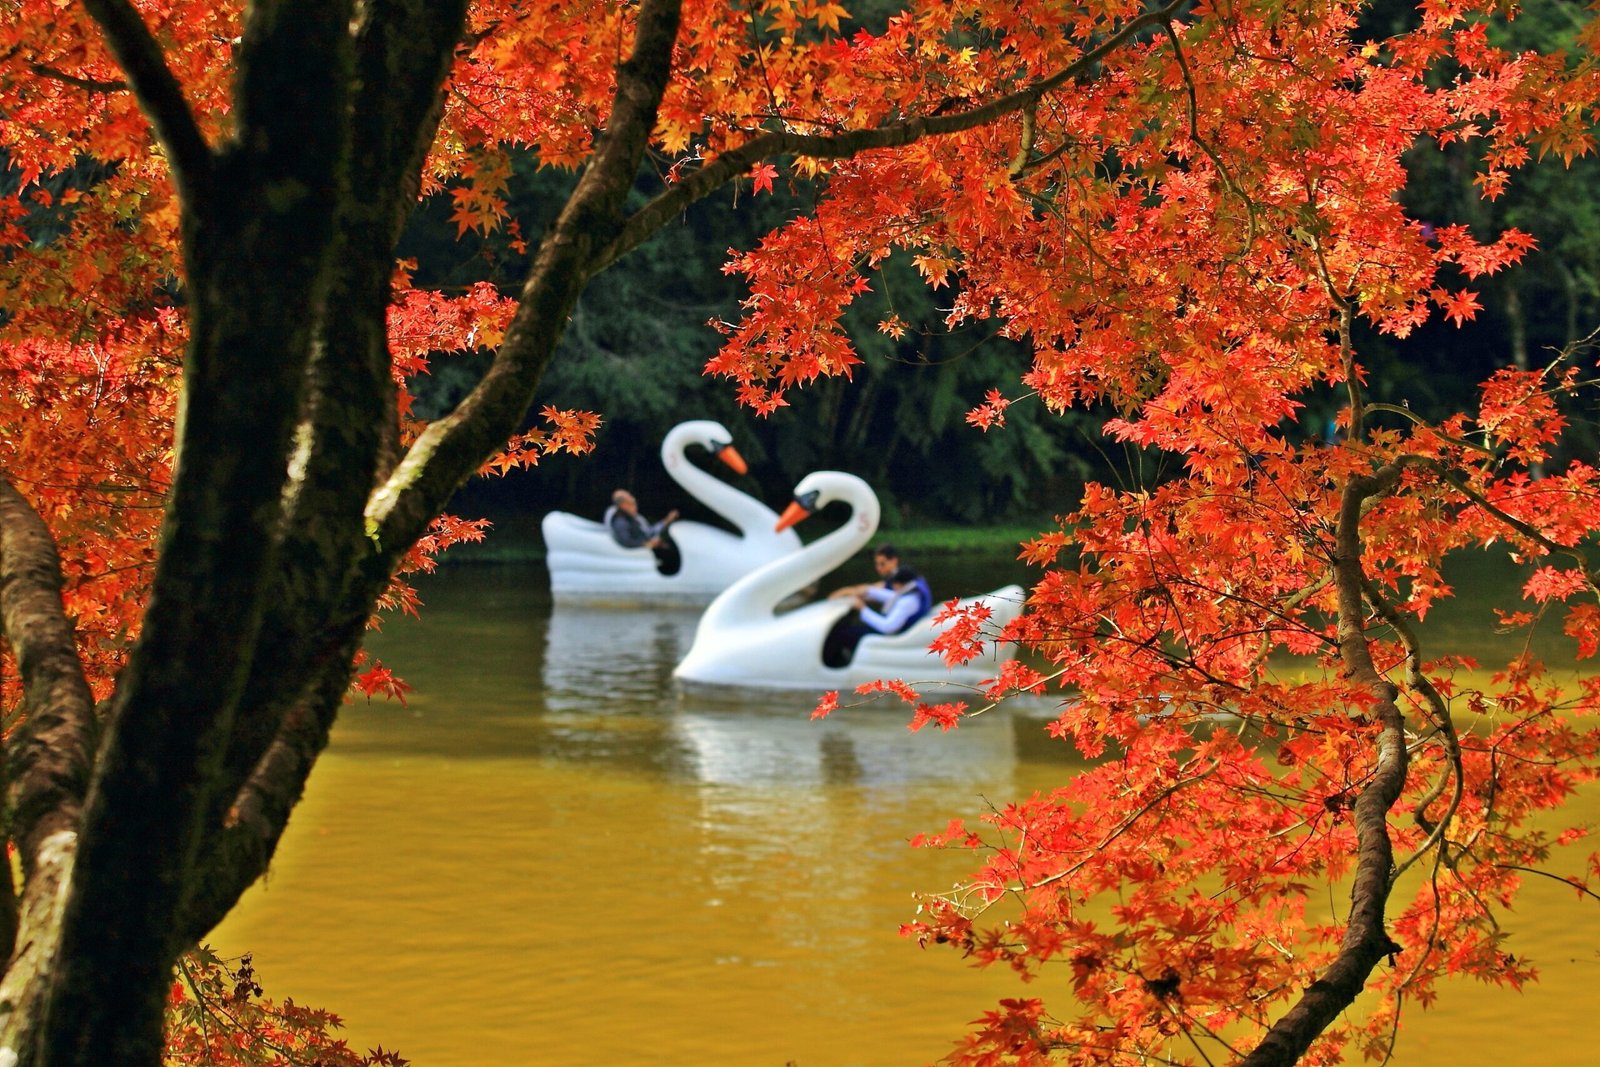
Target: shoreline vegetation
{"x": 1463, "y": 624}
{"x": 514, "y": 538}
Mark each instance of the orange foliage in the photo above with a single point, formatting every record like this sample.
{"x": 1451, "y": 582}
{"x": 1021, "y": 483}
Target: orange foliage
{"x": 1182, "y": 222}
{"x": 222, "y": 1020}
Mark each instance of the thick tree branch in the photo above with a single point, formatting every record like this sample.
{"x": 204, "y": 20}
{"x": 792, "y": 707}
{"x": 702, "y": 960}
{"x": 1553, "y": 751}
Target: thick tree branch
{"x": 291, "y": 90}
{"x": 454, "y": 447}
{"x": 1030, "y": 133}
{"x": 159, "y": 94}
{"x": 404, "y": 49}
{"x": 49, "y": 762}
{"x": 50, "y": 757}
{"x": 1366, "y": 940}
{"x": 738, "y": 160}
{"x": 10, "y": 916}
{"x": 33, "y": 961}
{"x": 239, "y": 852}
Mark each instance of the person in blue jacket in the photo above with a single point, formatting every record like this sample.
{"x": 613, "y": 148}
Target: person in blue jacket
{"x": 885, "y": 560}
{"x": 890, "y": 607}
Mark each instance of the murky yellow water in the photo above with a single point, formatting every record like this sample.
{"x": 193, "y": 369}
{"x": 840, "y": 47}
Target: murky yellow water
{"x": 549, "y": 858}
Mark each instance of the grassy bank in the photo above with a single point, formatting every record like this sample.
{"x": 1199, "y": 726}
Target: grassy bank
{"x": 514, "y": 538}
{"x": 953, "y": 540}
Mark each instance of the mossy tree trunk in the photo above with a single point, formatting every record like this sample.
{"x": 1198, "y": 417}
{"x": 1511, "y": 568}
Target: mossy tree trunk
{"x": 288, "y": 511}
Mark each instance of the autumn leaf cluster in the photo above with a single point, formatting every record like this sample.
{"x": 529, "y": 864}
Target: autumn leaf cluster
{"x": 1184, "y": 212}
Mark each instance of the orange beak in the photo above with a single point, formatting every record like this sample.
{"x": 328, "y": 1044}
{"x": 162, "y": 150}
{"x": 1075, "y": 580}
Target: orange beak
{"x": 792, "y": 514}
{"x": 730, "y": 455}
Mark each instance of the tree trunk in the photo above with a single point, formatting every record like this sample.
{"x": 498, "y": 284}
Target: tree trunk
{"x": 1366, "y": 940}
{"x": 288, "y": 511}
{"x": 48, "y": 765}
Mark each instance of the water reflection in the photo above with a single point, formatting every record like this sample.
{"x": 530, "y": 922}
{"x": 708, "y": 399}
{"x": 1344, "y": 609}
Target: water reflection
{"x": 866, "y": 748}
{"x": 548, "y": 830}
{"x": 597, "y": 658}
{"x": 607, "y": 672}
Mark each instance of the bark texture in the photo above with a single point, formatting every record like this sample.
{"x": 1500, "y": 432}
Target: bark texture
{"x": 48, "y": 761}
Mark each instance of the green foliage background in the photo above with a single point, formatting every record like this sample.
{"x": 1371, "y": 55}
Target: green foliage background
{"x": 637, "y": 342}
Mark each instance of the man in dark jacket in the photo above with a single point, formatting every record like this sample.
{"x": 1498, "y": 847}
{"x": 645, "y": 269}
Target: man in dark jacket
{"x": 632, "y": 530}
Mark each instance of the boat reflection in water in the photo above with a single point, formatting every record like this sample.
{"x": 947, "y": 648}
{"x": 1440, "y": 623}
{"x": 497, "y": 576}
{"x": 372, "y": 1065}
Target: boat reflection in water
{"x": 600, "y": 661}
{"x": 867, "y": 747}
{"x": 599, "y": 657}
{"x": 471, "y": 874}
{"x": 776, "y": 843}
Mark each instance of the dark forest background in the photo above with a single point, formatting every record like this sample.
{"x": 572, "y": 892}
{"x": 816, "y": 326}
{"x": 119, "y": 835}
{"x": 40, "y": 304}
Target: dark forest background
{"x": 639, "y": 338}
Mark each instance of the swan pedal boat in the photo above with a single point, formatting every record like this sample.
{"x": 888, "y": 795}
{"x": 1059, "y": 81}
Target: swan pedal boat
{"x": 745, "y": 642}
{"x": 587, "y": 566}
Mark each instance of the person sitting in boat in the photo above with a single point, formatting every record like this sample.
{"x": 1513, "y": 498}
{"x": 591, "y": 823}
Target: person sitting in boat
{"x": 885, "y": 560}
{"x": 632, "y": 530}
{"x": 890, "y": 608}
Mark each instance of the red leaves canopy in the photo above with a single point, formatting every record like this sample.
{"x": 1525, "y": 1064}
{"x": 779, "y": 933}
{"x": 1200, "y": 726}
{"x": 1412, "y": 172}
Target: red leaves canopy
{"x": 1182, "y": 210}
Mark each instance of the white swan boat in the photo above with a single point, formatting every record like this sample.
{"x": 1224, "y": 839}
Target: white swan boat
{"x": 588, "y": 566}
{"x": 743, "y": 640}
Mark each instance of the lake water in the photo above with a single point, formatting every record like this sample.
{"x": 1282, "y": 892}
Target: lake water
{"x": 550, "y": 857}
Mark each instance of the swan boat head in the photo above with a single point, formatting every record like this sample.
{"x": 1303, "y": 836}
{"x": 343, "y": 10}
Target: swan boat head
{"x": 709, "y": 435}
{"x": 744, "y": 640}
